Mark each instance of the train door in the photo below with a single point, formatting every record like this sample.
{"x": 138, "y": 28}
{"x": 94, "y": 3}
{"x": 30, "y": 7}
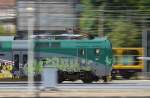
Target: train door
{"x": 20, "y": 59}
{"x": 82, "y": 56}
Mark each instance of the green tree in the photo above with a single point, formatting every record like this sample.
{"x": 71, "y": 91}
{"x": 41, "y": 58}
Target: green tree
{"x": 2, "y": 30}
{"x": 123, "y": 20}
{"x": 124, "y": 34}
{"x": 5, "y": 31}
{"x": 88, "y": 18}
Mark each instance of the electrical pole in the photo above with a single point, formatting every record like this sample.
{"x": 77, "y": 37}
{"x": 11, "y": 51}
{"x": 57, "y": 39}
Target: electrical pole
{"x": 101, "y": 21}
{"x": 30, "y": 25}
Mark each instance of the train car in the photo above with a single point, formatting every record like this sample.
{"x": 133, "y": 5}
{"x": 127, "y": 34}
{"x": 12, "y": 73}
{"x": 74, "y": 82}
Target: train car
{"x": 88, "y": 60}
{"x": 126, "y": 62}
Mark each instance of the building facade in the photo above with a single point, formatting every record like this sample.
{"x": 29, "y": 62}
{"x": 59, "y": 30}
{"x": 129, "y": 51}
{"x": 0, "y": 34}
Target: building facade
{"x": 7, "y": 17}
{"x": 49, "y": 16}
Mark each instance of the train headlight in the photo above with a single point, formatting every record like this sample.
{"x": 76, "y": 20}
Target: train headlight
{"x": 97, "y": 51}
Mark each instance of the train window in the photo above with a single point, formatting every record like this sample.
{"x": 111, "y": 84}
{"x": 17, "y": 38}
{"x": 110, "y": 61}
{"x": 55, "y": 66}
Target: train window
{"x": 115, "y": 59}
{"x": 42, "y": 45}
{"x": 55, "y": 44}
{"x": 130, "y": 57}
{"x": 25, "y": 59}
{"x": 128, "y": 60}
{"x": 16, "y": 61}
{"x": 97, "y": 51}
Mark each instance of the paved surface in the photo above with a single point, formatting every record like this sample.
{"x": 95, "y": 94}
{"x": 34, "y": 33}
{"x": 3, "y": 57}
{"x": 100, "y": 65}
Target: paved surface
{"x": 115, "y": 89}
{"x": 76, "y": 94}
{"x": 117, "y": 84}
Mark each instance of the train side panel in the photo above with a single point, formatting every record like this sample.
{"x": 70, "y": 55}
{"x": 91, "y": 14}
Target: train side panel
{"x": 87, "y": 60}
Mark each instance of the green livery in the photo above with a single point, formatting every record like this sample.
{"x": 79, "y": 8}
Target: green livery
{"x": 87, "y": 60}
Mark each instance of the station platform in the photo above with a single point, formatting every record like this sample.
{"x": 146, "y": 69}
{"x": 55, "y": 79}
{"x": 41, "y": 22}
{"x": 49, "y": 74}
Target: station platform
{"x": 115, "y": 89}
{"x": 77, "y": 94}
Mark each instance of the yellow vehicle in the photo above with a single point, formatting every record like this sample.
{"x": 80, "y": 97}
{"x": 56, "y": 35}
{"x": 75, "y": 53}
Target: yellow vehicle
{"x": 126, "y": 62}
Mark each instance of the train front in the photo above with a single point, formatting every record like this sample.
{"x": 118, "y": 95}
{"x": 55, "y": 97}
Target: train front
{"x": 103, "y": 58}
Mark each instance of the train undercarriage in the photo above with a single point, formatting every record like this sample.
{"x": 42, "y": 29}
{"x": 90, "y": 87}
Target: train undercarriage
{"x": 125, "y": 73}
{"x": 85, "y": 76}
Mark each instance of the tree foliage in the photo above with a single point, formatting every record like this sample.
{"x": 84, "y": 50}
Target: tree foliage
{"x": 2, "y": 30}
{"x": 88, "y": 18}
{"x": 123, "y": 21}
{"x": 6, "y": 31}
{"x": 124, "y": 34}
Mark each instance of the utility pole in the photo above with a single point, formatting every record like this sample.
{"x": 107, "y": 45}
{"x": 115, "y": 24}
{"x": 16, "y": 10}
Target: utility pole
{"x": 30, "y": 25}
{"x": 101, "y": 21}
{"x": 145, "y": 45}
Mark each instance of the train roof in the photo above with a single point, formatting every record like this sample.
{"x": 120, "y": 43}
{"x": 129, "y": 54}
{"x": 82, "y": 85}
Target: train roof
{"x": 46, "y": 44}
{"x": 8, "y": 41}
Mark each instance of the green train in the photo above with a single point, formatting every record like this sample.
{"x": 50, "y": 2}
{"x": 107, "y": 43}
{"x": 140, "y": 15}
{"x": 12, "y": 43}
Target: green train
{"x": 88, "y": 60}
